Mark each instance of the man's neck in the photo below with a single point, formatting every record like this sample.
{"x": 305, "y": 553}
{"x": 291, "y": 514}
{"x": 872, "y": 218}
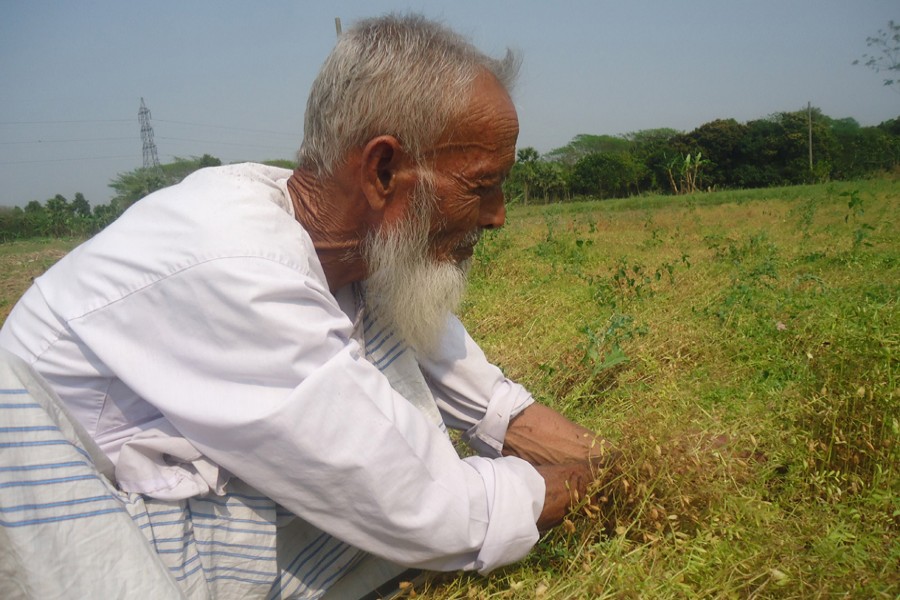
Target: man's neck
{"x": 334, "y": 221}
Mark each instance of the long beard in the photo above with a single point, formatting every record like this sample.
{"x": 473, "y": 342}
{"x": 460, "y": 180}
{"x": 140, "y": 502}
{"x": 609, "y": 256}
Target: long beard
{"x": 410, "y": 291}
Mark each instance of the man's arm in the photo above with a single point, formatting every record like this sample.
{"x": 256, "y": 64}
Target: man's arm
{"x": 564, "y": 453}
{"x": 542, "y": 436}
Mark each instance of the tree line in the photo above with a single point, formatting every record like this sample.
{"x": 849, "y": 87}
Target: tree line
{"x": 61, "y": 217}
{"x": 786, "y": 148}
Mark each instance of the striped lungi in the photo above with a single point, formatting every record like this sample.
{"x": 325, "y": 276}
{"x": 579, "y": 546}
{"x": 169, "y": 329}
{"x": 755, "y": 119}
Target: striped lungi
{"x": 66, "y": 531}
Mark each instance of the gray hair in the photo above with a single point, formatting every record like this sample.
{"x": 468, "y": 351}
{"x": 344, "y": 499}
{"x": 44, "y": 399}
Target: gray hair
{"x": 396, "y": 75}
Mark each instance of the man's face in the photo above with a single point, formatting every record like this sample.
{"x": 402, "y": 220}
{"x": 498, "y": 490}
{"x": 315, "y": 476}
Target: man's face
{"x": 466, "y": 171}
{"x": 417, "y": 267}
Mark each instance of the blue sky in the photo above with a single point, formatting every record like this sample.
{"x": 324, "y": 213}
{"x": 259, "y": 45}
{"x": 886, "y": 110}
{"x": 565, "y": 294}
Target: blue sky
{"x": 230, "y": 78}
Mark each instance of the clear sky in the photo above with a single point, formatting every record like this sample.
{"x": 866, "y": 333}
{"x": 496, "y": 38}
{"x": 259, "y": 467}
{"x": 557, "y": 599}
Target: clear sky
{"x": 230, "y": 78}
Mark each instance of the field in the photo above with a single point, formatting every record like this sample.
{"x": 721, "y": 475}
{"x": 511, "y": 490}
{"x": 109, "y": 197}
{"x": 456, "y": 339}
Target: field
{"x": 740, "y": 349}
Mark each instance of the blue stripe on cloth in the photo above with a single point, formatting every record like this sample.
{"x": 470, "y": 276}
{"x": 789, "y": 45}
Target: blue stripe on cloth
{"x": 372, "y": 346}
{"x": 267, "y": 580}
{"x": 59, "y": 518}
{"x": 304, "y": 580}
{"x": 41, "y": 482}
{"x": 30, "y": 428}
{"x": 233, "y": 529}
{"x": 173, "y": 511}
{"x": 253, "y": 557}
{"x": 386, "y": 354}
{"x": 12, "y": 391}
{"x": 390, "y": 362}
{"x": 186, "y": 535}
{"x": 230, "y": 545}
{"x": 187, "y": 574}
{"x": 61, "y": 503}
{"x": 202, "y": 515}
{"x": 155, "y": 524}
{"x": 314, "y": 547}
{"x": 36, "y": 443}
{"x": 343, "y": 571}
{"x": 140, "y": 516}
{"x": 185, "y": 546}
{"x": 312, "y": 579}
{"x": 62, "y": 465}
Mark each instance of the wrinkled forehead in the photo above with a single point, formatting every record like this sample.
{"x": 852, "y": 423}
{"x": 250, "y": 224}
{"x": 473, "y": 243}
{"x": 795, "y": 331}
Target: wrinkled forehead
{"x": 486, "y": 131}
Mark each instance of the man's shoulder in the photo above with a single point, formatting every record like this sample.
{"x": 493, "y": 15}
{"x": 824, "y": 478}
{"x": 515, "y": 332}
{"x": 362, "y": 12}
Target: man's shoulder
{"x": 236, "y": 211}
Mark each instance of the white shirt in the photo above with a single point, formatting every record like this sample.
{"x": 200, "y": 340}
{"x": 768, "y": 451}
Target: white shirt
{"x": 196, "y": 337}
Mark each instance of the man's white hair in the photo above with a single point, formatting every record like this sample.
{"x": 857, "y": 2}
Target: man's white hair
{"x": 399, "y": 75}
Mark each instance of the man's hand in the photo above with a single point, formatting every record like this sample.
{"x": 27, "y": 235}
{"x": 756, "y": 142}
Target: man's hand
{"x": 566, "y": 455}
{"x": 565, "y": 484}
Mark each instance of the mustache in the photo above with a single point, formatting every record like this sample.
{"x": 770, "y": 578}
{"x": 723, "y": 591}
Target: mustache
{"x": 472, "y": 238}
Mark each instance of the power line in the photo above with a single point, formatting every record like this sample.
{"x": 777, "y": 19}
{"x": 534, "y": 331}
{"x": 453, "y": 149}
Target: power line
{"x": 287, "y": 133}
{"x": 62, "y": 122}
{"x": 175, "y": 139}
{"x": 109, "y": 139}
{"x": 43, "y": 160}
{"x": 190, "y": 123}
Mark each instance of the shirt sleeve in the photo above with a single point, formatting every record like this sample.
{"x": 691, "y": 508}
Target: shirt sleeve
{"x": 253, "y": 363}
{"x": 472, "y": 393}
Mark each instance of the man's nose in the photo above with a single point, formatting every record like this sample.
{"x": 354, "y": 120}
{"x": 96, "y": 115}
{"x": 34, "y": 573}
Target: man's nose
{"x": 493, "y": 212}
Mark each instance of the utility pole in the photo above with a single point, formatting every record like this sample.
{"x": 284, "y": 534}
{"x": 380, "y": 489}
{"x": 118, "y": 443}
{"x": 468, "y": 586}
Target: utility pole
{"x": 151, "y": 160}
{"x": 809, "y": 122}
{"x": 337, "y": 26}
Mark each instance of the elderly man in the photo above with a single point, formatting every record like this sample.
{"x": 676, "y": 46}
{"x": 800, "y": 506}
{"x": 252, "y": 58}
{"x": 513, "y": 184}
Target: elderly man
{"x": 269, "y": 358}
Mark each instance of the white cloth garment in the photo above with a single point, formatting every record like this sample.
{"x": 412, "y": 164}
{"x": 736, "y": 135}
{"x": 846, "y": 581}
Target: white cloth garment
{"x": 196, "y": 338}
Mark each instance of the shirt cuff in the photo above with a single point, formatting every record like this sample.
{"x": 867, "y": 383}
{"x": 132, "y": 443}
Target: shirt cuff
{"x": 486, "y": 437}
{"x": 515, "y": 497}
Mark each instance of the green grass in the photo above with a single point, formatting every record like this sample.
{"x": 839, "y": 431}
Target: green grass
{"x": 740, "y": 348}
{"x": 21, "y": 262}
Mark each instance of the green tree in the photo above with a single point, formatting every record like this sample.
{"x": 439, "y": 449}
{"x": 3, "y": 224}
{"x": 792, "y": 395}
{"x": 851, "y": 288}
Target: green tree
{"x": 36, "y": 220}
{"x": 80, "y": 206}
{"x": 134, "y": 185}
{"x": 861, "y": 150}
{"x": 524, "y": 174}
{"x": 551, "y": 181}
{"x": 280, "y": 162}
{"x": 12, "y": 223}
{"x": 653, "y": 149}
{"x": 720, "y": 143}
{"x": 584, "y": 144}
{"x": 607, "y": 175}
{"x": 685, "y": 173}
{"x": 60, "y": 214}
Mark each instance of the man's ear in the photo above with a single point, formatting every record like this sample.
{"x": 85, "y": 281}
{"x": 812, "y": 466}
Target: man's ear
{"x": 382, "y": 159}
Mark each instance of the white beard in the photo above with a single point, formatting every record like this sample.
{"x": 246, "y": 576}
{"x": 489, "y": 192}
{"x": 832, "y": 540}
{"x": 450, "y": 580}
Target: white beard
{"x": 410, "y": 291}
